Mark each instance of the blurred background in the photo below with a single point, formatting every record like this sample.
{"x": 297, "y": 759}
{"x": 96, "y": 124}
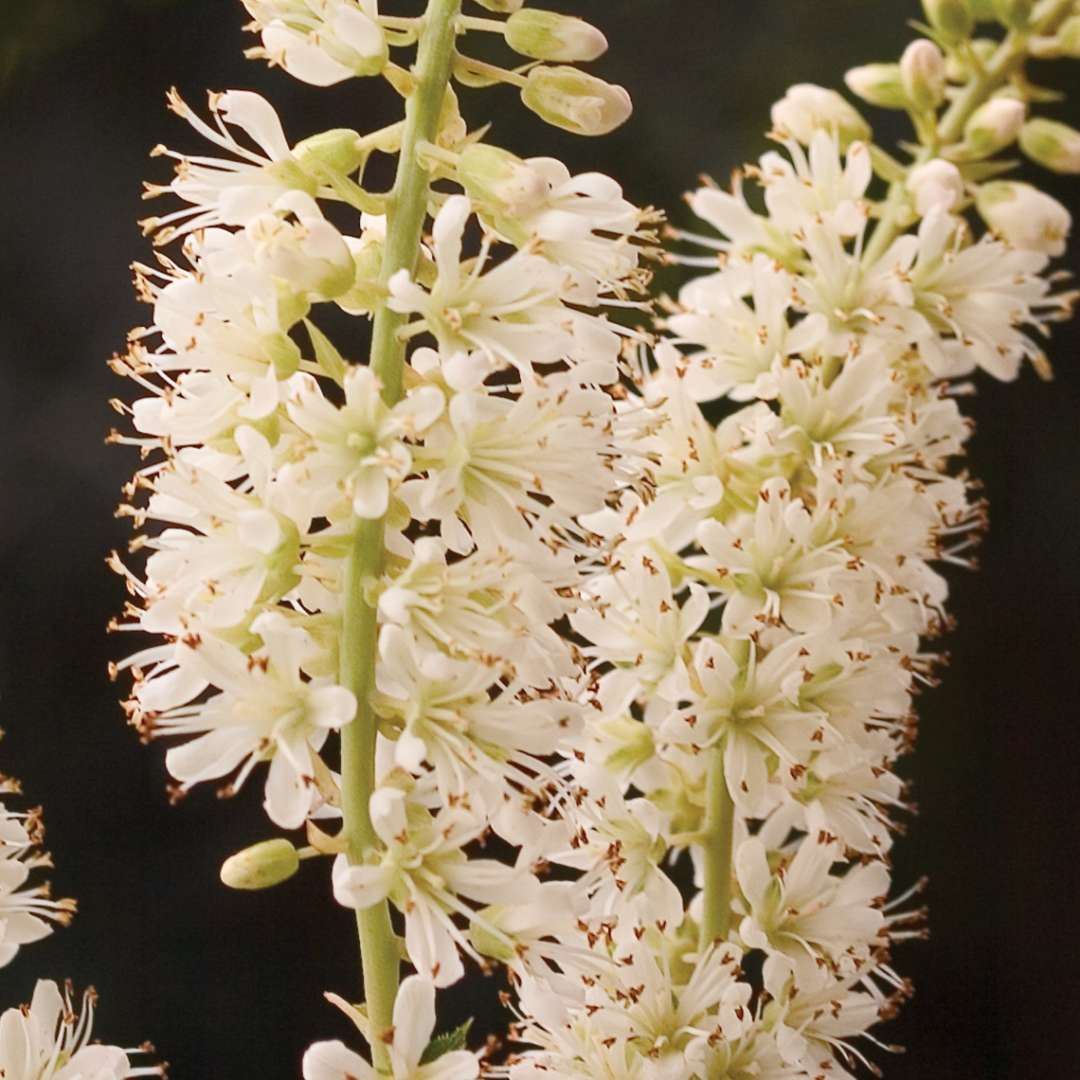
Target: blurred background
{"x": 230, "y": 985}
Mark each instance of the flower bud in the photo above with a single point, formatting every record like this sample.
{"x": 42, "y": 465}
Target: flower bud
{"x": 936, "y": 184}
{"x": 879, "y": 84}
{"x": 952, "y": 19}
{"x": 922, "y": 72}
{"x": 501, "y": 6}
{"x": 1054, "y": 145}
{"x": 498, "y": 181}
{"x": 1015, "y": 14}
{"x": 547, "y": 35}
{"x": 261, "y": 865}
{"x": 807, "y": 108}
{"x": 1068, "y": 37}
{"x": 994, "y": 126}
{"x": 571, "y": 99}
{"x": 1024, "y": 216}
{"x": 983, "y": 10}
{"x": 336, "y": 149}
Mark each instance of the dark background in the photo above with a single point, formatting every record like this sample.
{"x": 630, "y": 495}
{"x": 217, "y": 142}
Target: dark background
{"x": 229, "y": 985}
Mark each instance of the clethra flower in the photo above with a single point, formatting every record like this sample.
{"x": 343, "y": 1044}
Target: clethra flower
{"x": 265, "y": 711}
{"x": 359, "y": 451}
{"x": 50, "y": 1040}
{"x": 321, "y": 42}
{"x": 425, "y": 874}
{"x": 25, "y": 910}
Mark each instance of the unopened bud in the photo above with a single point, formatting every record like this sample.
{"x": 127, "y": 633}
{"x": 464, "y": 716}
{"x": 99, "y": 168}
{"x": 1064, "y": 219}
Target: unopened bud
{"x": 807, "y": 108}
{"x": 1015, "y": 14}
{"x": 501, "y": 6}
{"x": 879, "y": 84}
{"x": 485, "y": 937}
{"x": 575, "y": 101}
{"x": 1068, "y": 37}
{"x": 1024, "y": 216}
{"x": 922, "y": 71}
{"x": 1054, "y": 145}
{"x": 499, "y": 182}
{"x": 547, "y": 35}
{"x": 335, "y": 149}
{"x": 934, "y": 185}
{"x": 994, "y": 126}
{"x": 983, "y": 10}
{"x": 261, "y": 865}
{"x": 952, "y": 19}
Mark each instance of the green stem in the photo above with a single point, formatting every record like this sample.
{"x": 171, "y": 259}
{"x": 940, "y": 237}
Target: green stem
{"x": 406, "y": 215}
{"x": 717, "y": 844}
{"x": 1010, "y": 54}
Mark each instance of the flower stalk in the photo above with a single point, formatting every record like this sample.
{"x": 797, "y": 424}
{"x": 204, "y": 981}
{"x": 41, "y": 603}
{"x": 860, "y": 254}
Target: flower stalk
{"x": 717, "y": 843}
{"x": 406, "y": 214}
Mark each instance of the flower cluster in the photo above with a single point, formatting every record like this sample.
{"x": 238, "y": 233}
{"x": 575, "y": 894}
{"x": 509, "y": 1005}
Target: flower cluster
{"x": 26, "y": 911}
{"x": 762, "y": 605}
{"x": 49, "y": 1039}
{"x": 342, "y": 547}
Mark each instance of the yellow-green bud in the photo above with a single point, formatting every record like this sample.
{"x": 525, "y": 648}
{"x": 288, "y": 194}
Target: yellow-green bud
{"x": 983, "y": 10}
{"x": 571, "y": 99}
{"x": 547, "y": 35}
{"x": 487, "y": 943}
{"x": 1015, "y": 14}
{"x": 1068, "y": 37}
{"x": 501, "y": 6}
{"x": 879, "y": 84}
{"x": 365, "y": 293}
{"x": 261, "y": 865}
{"x": 994, "y": 126}
{"x": 922, "y": 72}
{"x": 1057, "y": 146}
{"x": 952, "y": 19}
{"x": 336, "y": 149}
{"x": 497, "y": 179}
{"x": 281, "y": 351}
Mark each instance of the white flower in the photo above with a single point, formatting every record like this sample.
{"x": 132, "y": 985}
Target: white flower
{"x": 779, "y": 565}
{"x": 234, "y": 552}
{"x": 662, "y": 1012}
{"x": 264, "y": 711}
{"x": 983, "y": 294}
{"x": 511, "y": 314}
{"x": 741, "y": 323}
{"x": 637, "y": 624}
{"x": 817, "y": 184}
{"x": 25, "y": 911}
{"x": 425, "y": 873}
{"x": 320, "y": 42}
{"x": 414, "y": 1025}
{"x": 756, "y": 711}
{"x": 49, "y": 1040}
{"x": 473, "y": 731}
{"x": 619, "y": 844}
{"x": 512, "y": 469}
{"x": 290, "y": 243}
{"x": 359, "y": 450}
{"x": 487, "y": 608}
{"x": 225, "y": 191}
{"x": 816, "y": 920}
